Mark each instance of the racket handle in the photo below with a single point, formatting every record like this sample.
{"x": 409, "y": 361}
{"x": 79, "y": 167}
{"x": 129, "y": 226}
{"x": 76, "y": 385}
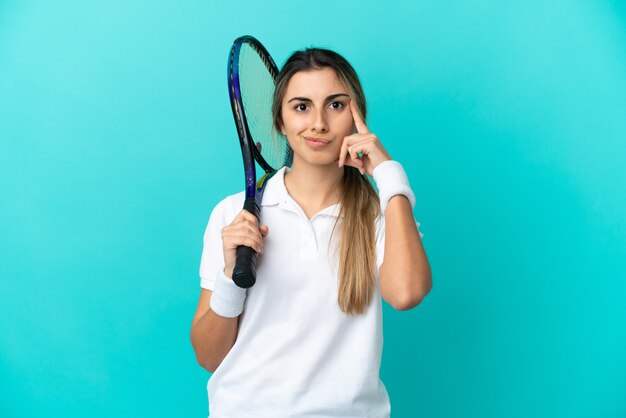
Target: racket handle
{"x": 244, "y": 272}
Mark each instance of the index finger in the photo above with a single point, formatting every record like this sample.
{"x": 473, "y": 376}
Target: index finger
{"x": 246, "y": 216}
{"x": 361, "y": 127}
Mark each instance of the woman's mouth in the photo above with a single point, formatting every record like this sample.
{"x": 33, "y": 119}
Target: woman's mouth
{"x": 316, "y": 143}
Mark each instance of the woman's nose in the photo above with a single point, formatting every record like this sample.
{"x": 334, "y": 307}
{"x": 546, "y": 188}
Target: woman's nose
{"x": 319, "y": 122}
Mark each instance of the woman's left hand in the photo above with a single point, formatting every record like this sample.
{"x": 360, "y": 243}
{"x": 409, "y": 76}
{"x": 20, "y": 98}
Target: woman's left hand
{"x": 362, "y": 150}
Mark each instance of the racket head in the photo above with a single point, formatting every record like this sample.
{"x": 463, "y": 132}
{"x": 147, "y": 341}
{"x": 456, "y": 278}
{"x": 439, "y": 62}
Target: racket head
{"x": 252, "y": 79}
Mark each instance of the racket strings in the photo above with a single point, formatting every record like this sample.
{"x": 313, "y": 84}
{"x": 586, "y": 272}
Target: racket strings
{"x": 257, "y": 89}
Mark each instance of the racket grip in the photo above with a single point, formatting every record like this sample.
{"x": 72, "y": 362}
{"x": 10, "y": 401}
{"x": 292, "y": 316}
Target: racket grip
{"x": 244, "y": 272}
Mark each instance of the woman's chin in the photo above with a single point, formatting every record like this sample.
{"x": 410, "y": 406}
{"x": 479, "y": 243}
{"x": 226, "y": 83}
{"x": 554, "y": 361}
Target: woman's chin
{"x": 318, "y": 160}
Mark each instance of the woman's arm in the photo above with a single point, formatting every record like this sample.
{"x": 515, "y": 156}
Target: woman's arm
{"x": 212, "y": 336}
{"x": 404, "y": 276}
{"x": 215, "y": 324}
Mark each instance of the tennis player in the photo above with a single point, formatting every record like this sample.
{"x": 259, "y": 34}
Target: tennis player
{"x": 306, "y": 340}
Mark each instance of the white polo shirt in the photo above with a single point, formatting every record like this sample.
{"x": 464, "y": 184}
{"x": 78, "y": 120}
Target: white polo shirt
{"x": 296, "y": 354}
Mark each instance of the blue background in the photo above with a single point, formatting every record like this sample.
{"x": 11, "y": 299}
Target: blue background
{"x": 117, "y": 140}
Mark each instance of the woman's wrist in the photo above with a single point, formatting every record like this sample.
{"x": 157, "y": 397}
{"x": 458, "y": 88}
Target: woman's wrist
{"x": 227, "y": 298}
{"x": 391, "y": 180}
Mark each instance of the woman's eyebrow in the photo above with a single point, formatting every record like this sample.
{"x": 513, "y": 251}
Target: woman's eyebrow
{"x": 306, "y": 99}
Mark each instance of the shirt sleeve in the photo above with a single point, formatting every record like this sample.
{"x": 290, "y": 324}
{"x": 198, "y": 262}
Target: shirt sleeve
{"x": 212, "y": 261}
{"x": 380, "y": 239}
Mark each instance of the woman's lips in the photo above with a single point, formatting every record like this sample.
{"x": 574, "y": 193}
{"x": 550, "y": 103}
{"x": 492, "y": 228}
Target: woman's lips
{"x": 316, "y": 143}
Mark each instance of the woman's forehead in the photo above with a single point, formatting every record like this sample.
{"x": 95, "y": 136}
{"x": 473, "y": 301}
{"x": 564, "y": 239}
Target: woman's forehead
{"x": 314, "y": 83}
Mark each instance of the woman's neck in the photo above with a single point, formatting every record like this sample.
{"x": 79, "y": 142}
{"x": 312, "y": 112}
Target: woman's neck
{"x": 314, "y": 187}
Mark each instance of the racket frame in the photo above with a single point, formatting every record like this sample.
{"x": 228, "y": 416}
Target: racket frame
{"x": 244, "y": 273}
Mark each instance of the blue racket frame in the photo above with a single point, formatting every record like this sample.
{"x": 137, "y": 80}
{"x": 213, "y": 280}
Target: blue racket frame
{"x": 244, "y": 273}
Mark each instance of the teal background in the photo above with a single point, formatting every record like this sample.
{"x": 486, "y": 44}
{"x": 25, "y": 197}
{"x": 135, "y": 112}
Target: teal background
{"x": 117, "y": 140}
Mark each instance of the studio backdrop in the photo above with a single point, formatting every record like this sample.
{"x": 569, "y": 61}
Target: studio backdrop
{"x": 117, "y": 139}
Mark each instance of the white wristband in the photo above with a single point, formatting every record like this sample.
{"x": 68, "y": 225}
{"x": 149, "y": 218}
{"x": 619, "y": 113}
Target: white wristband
{"x": 227, "y": 298}
{"x": 392, "y": 180}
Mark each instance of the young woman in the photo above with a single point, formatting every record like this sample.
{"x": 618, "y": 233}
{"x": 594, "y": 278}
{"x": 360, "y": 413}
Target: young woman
{"x": 306, "y": 339}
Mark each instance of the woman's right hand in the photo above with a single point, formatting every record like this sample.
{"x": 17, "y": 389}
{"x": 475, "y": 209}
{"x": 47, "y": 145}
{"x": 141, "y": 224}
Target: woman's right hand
{"x": 243, "y": 230}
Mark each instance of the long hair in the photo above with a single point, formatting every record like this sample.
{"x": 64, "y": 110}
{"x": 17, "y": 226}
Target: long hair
{"x": 359, "y": 202}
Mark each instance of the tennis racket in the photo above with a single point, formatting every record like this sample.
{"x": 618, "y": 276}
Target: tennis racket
{"x": 251, "y": 83}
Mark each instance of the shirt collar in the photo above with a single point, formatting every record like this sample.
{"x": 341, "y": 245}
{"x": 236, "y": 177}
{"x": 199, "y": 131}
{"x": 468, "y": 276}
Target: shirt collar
{"x": 275, "y": 190}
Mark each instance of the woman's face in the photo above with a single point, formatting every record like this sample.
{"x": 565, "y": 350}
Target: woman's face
{"x": 316, "y": 116}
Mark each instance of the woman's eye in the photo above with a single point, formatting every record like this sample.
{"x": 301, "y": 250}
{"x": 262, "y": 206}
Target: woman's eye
{"x": 301, "y": 107}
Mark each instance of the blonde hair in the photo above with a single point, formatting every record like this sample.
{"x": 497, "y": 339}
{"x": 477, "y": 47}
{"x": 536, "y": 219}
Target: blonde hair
{"x": 359, "y": 202}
